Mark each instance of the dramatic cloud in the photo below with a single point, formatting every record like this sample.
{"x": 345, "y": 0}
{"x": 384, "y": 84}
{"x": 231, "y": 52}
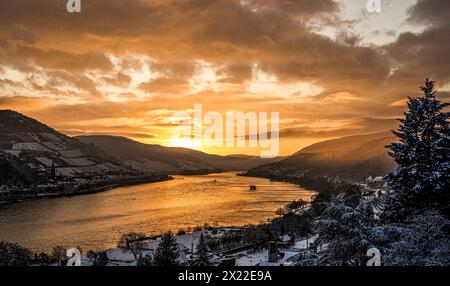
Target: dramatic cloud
{"x": 436, "y": 12}
{"x": 425, "y": 54}
{"x": 123, "y": 67}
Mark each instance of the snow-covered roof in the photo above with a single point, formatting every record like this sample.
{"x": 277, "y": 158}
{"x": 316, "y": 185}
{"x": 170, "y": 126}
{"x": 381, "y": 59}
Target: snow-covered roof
{"x": 301, "y": 244}
{"x": 284, "y": 238}
{"x": 251, "y": 259}
{"x": 120, "y": 254}
{"x": 266, "y": 263}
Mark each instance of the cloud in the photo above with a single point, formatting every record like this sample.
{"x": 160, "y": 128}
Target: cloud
{"x": 132, "y": 135}
{"x": 166, "y": 85}
{"x": 349, "y": 127}
{"x": 435, "y": 12}
{"x": 216, "y": 31}
{"x": 118, "y": 60}
{"x": 307, "y": 8}
{"x": 425, "y": 54}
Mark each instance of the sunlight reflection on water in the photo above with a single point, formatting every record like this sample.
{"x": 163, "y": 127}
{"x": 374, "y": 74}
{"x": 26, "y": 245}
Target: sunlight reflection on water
{"x": 96, "y": 221}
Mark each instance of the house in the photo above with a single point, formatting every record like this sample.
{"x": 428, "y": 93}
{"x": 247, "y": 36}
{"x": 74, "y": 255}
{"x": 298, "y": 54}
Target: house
{"x": 214, "y": 233}
{"x": 284, "y": 241}
{"x": 284, "y": 238}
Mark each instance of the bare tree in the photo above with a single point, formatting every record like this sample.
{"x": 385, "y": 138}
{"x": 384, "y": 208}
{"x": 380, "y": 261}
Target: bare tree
{"x": 133, "y": 242}
{"x": 59, "y": 253}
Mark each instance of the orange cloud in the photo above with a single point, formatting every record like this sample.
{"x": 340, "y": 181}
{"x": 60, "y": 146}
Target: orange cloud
{"x": 107, "y": 69}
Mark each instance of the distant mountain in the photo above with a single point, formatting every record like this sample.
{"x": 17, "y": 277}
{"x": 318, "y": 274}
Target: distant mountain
{"x": 170, "y": 159}
{"x": 33, "y": 154}
{"x": 351, "y": 158}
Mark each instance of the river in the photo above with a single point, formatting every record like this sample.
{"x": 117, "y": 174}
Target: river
{"x": 98, "y": 220}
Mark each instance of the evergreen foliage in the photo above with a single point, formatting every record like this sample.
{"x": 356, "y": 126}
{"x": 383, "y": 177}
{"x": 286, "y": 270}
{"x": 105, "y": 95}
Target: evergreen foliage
{"x": 201, "y": 253}
{"x": 422, "y": 178}
{"x": 167, "y": 252}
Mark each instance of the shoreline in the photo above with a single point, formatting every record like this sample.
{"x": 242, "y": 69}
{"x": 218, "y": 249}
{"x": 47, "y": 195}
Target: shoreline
{"x": 315, "y": 184}
{"x": 132, "y": 181}
{"x": 267, "y": 220}
{"x": 88, "y": 191}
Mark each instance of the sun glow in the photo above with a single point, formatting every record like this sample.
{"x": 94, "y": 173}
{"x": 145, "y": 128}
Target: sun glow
{"x": 184, "y": 143}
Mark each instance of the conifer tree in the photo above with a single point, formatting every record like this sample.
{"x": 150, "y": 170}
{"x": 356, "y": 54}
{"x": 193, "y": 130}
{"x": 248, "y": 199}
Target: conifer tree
{"x": 345, "y": 231}
{"x": 421, "y": 180}
{"x": 201, "y": 253}
{"x": 167, "y": 252}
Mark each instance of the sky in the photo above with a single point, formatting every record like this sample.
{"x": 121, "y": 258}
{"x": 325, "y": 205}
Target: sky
{"x": 330, "y": 68}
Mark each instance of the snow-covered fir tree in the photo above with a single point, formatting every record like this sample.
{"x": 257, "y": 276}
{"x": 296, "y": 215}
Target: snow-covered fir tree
{"x": 422, "y": 240}
{"x": 414, "y": 229}
{"x": 201, "y": 253}
{"x": 167, "y": 253}
{"x": 145, "y": 260}
{"x": 344, "y": 230}
{"x": 422, "y": 178}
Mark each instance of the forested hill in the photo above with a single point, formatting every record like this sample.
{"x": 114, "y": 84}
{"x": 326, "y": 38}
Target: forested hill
{"x": 352, "y": 158}
{"x": 173, "y": 160}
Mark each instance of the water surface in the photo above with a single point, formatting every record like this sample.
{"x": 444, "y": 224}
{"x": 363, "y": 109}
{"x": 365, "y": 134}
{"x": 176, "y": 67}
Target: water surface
{"x": 97, "y": 221}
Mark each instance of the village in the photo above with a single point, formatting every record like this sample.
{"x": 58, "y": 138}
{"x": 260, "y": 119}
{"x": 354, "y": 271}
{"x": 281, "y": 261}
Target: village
{"x": 57, "y": 165}
{"x": 277, "y": 253}
{"x": 228, "y": 246}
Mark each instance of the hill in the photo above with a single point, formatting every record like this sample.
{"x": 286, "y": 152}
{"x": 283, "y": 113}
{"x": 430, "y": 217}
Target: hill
{"x": 37, "y": 159}
{"x": 352, "y": 158}
{"x": 172, "y": 160}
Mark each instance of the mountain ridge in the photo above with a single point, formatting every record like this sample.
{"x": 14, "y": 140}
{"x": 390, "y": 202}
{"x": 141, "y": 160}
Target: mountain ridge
{"x": 352, "y": 158}
{"x": 153, "y": 157}
{"x": 38, "y": 161}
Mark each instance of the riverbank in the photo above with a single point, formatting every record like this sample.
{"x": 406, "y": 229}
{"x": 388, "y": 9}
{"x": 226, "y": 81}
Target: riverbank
{"x": 85, "y": 190}
{"x": 97, "y": 221}
{"x": 317, "y": 184}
